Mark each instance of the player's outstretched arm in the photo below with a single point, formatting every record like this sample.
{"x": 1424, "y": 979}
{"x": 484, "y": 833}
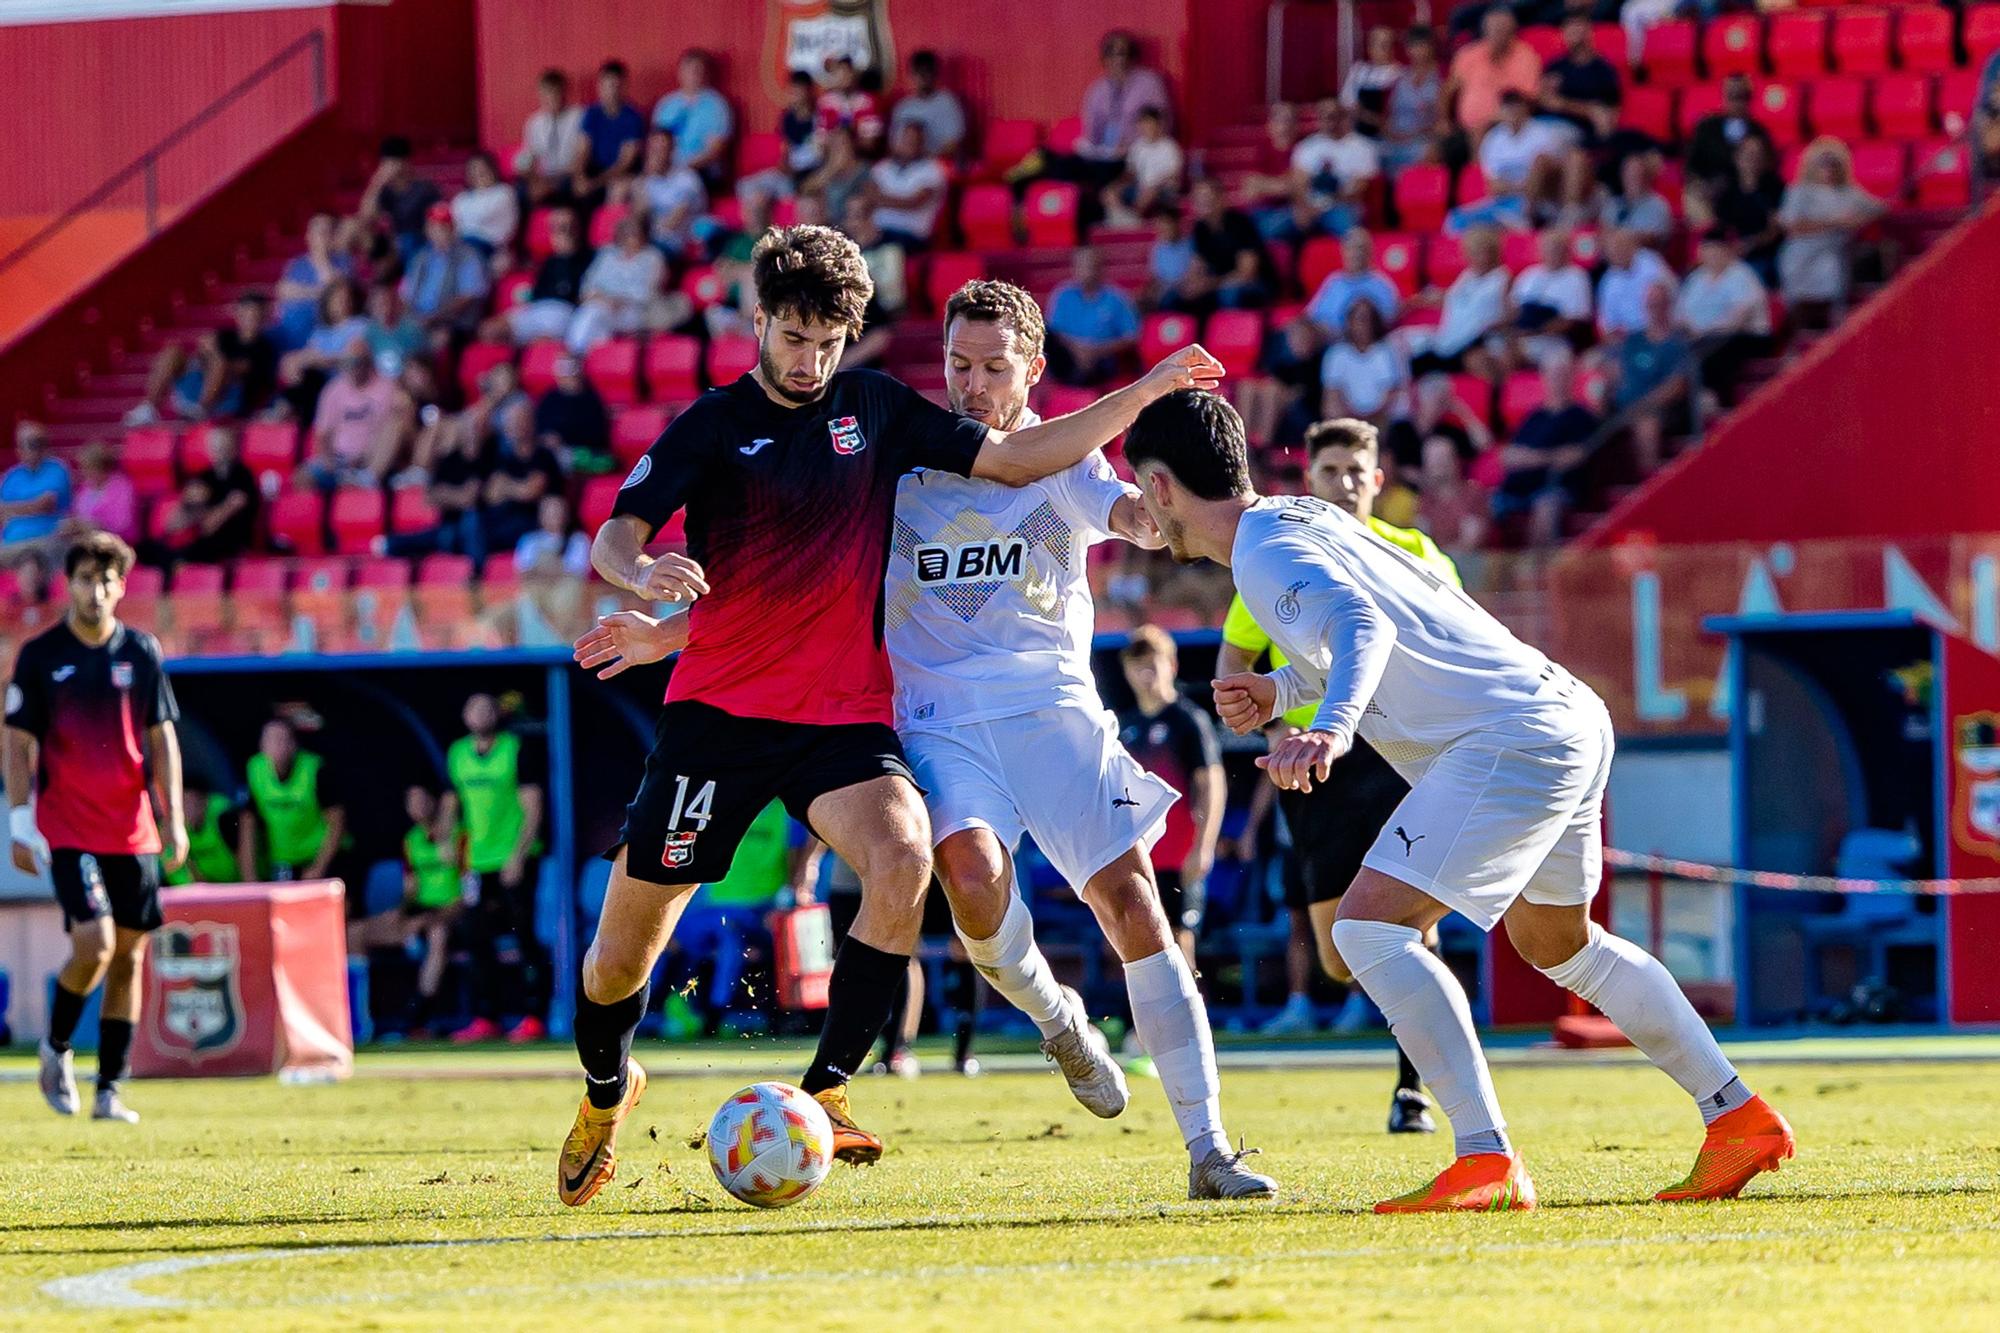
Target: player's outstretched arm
{"x": 618, "y": 554}
{"x": 1019, "y": 457}
{"x": 628, "y": 639}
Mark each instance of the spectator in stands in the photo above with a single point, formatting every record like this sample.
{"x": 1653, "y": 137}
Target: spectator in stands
{"x": 557, "y": 548}
{"x": 1629, "y": 269}
{"x": 845, "y": 105}
{"x": 908, "y": 189}
{"x": 1649, "y": 379}
{"x": 698, "y": 117}
{"x": 1151, "y": 179}
{"x": 1093, "y": 327}
{"x": 1725, "y": 310}
{"x": 1365, "y": 91}
{"x": 397, "y": 199}
{"x": 305, "y": 280}
{"x": 936, "y": 109}
{"x": 1638, "y": 207}
{"x": 1111, "y": 107}
{"x": 840, "y": 177}
{"x": 1174, "y": 281}
{"x": 888, "y": 268}
{"x": 1519, "y": 152}
{"x": 1748, "y": 207}
{"x": 524, "y": 470}
{"x": 558, "y": 286}
{"x": 305, "y": 372}
{"x": 625, "y": 292}
{"x": 612, "y": 129}
{"x": 1580, "y": 86}
{"x": 105, "y": 498}
{"x": 1364, "y": 374}
{"x": 1475, "y": 308}
{"x": 571, "y": 419}
{"x": 1452, "y": 507}
{"x": 1334, "y": 168}
{"x": 1579, "y": 200}
{"x": 1821, "y": 213}
{"x": 35, "y": 493}
{"x": 486, "y": 212}
{"x": 1549, "y": 304}
{"x": 446, "y": 283}
{"x": 392, "y": 330}
{"x": 363, "y": 424}
{"x": 1413, "y": 119}
{"x": 1299, "y": 344}
{"x": 798, "y": 131}
{"x": 1544, "y": 463}
{"x": 229, "y": 373}
{"x": 1267, "y": 188}
{"x": 1711, "y": 158}
{"x": 1498, "y": 62}
{"x": 215, "y": 515}
{"x": 296, "y": 818}
{"x": 551, "y": 142}
{"x": 457, "y": 478}
{"x": 668, "y": 197}
{"x": 1438, "y": 418}
{"x": 1232, "y": 268}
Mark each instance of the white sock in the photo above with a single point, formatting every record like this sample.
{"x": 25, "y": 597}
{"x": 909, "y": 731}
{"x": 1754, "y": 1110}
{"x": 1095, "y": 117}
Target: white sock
{"x": 1427, "y": 1011}
{"x": 1635, "y": 991}
{"x": 1172, "y": 1024}
{"x": 1018, "y": 969}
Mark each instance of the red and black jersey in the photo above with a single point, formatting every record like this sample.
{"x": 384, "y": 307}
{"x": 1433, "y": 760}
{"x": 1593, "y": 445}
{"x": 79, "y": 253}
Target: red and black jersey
{"x": 1173, "y": 744}
{"x": 90, "y": 708}
{"x": 789, "y": 511}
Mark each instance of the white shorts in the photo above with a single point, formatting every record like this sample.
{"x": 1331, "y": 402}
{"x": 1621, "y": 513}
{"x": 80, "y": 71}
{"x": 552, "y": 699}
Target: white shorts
{"x": 1059, "y": 774}
{"x": 1495, "y": 818}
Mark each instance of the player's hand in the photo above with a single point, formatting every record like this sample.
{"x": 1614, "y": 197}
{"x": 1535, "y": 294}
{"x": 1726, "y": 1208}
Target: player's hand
{"x": 174, "y": 854}
{"x": 1193, "y": 367}
{"x": 512, "y": 872}
{"x": 31, "y": 849}
{"x": 673, "y": 577}
{"x": 623, "y": 639}
{"x": 1135, "y": 524}
{"x": 1245, "y": 701}
{"x": 1300, "y": 760}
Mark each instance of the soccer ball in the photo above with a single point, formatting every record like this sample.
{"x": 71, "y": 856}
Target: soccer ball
{"x": 770, "y": 1145}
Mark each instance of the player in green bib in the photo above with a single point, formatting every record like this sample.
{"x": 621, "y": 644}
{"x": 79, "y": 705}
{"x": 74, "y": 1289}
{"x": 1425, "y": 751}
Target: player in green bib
{"x": 1333, "y": 826}
{"x": 433, "y": 888}
{"x": 301, "y": 827}
{"x": 215, "y": 851}
{"x": 496, "y": 783}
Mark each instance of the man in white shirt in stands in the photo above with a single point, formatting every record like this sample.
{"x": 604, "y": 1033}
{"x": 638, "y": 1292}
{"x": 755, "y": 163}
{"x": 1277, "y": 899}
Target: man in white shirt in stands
{"x": 551, "y": 138}
{"x": 1507, "y": 756}
{"x": 908, "y": 188}
{"x": 1550, "y": 300}
{"x": 1629, "y": 269}
{"x": 1336, "y": 166}
{"x": 1516, "y": 146}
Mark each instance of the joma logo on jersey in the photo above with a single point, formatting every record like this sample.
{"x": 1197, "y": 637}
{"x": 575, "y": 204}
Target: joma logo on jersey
{"x": 847, "y": 438}
{"x": 971, "y": 562}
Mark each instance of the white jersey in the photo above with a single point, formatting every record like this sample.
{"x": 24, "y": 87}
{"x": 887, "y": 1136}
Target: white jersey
{"x": 1396, "y": 652}
{"x": 987, "y": 609}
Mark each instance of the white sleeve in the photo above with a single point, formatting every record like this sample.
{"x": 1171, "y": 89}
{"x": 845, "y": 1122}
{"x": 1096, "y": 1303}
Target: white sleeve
{"x": 1085, "y": 494}
{"x": 1321, "y": 605}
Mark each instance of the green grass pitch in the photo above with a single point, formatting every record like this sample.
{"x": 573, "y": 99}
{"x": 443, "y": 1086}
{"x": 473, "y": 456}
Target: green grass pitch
{"x": 420, "y": 1195}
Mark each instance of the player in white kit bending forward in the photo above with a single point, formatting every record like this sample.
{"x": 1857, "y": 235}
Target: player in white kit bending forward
{"x": 988, "y": 621}
{"x": 1507, "y": 756}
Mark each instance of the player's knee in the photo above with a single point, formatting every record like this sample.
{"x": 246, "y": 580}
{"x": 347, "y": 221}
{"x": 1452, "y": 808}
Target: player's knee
{"x": 611, "y": 974}
{"x": 1128, "y": 907}
{"x": 92, "y": 949}
{"x": 1546, "y": 937}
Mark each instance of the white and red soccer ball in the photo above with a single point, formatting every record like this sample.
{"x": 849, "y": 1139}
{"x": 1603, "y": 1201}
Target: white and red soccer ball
{"x": 770, "y": 1145}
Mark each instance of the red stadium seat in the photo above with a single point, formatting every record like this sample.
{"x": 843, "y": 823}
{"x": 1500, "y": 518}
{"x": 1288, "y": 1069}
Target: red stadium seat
{"x": 1007, "y": 142}
{"x": 410, "y": 510}
{"x": 673, "y": 368}
{"x": 1049, "y": 213}
{"x": 1317, "y": 258}
{"x": 612, "y": 367}
{"x": 476, "y": 360}
{"x": 634, "y": 430}
{"x": 540, "y": 247}
{"x": 1982, "y": 34}
{"x": 326, "y": 574}
{"x": 358, "y": 519}
{"x": 1472, "y": 185}
{"x": 1520, "y": 394}
{"x": 512, "y": 290}
{"x": 600, "y": 494}
{"x": 1943, "y": 175}
{"x": 759, "y": 152}
{"x": 191, "y": 454}
{"x": 1840, "y": 107}
{"x": 1883, "y": 169}
{"x": 705, "y": 287}
{"x": 1668, "y": 55}
{"x": 986, "y": 217}
{"x": 1923, "y": 38}
{"x": 1422, "y": 195}
{"x": 1236, "y": 337}
{"x": 1901, "y": 104}
{"x": 1475, "y": 393}
{"x": 1586, "y": 248}
{"x": 381, "y": 572}
{"x": 1732, "y": 44}
{"x": 444, "y": 571}
{"x": 141, "y": 603}
{"x": 1650, "y": 111}
{"x": 1546, "y": 42}
{"x": 1796, "y": 45}
{"x": 1164, "y": 333}
{"x": 499, "y": 576}
{"x": 948, "y": 272}
{"x": 297, "y": 521}
{"x": 443, "y": 597}
{"x": 1861, "y": 41}
{"x": 538, "y": 365}
{"x": 1777, "y": 107}
{"x": 196, "y": 580}
{"x": 730, "y": 358}
{"x": 604, "y": 222}
{"x": 1789, "y": 161}
{"x": 1444, "y": 260}
{"x": 148, "y": 458}
{"x": 1697, "y": 104}
{"x": 1611, "y": 43}
{"x": 1957, "y": 93}
{"x": 270, "y": 449}
{"x": 1064, "y": 134}
{"x": 1518, "y": 250}
{"x": 1396, "y": 255}
{"x": 257, "y": 595}
{"x": 729, "y": 212}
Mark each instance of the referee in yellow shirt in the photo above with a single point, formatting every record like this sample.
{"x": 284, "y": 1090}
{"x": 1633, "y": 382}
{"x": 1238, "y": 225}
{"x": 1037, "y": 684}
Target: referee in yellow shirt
{"x": 1335, "y": 823}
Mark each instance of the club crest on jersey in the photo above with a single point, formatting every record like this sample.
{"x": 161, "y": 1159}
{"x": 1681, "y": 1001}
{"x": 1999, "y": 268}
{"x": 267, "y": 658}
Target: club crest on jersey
{"x": 196, "y": 993}
{"x": 1288, "y": 604}
{"x": 121, "y": 675}
{"x": 846, "y": 432}
{"x": 679, "y": 850}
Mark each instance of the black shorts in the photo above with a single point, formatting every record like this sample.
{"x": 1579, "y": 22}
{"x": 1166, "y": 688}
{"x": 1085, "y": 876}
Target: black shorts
{"x": 1335, "y": 824}
{"x": 711, "y": 773}
{"x": 1184, "y": 904}
{"x": 90, "y": 885}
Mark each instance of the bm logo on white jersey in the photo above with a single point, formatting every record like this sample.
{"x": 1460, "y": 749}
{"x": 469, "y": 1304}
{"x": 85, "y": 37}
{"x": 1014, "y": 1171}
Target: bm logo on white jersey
{"x": 970, "y": 562}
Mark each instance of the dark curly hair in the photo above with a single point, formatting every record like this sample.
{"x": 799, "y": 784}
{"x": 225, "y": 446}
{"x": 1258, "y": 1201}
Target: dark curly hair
{"x": 812, "y": 274}
{"x": 100, "y": 550}
{"x": 990, "y": 301}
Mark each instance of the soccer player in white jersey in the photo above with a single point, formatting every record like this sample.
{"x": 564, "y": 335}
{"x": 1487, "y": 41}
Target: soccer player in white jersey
{"x": 1507, "y": 756}
{"x": 988, "y": 621}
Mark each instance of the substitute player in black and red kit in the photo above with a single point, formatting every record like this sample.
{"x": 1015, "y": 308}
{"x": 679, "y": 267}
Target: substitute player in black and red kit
{"x": 789, "y": 480}
{"x": 90, "y": 718}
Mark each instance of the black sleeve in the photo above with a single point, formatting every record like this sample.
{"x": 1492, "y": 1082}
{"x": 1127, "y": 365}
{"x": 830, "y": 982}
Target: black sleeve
{"x": 922, "y": 434}
{"x": 160, "y": 705}
{"x": 27, "y": 693}
{"x": 661, "y": 480}
{"x": 531, "y": 762}
{"x": 1196, "y": 741}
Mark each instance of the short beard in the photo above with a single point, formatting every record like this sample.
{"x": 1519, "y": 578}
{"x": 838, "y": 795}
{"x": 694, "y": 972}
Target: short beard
{"x": 775, "y": 382}
{"x": 1013, "y": 418}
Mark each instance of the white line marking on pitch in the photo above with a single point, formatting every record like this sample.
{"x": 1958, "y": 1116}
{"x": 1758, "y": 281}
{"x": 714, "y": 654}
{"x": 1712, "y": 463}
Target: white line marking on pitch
{"x": 111, "y": 1288}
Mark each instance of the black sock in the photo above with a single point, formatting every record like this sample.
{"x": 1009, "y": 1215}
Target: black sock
{"x": 860, "y": 996}
{"x": 63, "y": 1016}
{"x": 604, "y": 1043}
{"x": 1407, "y": 1077}
{"x": 967, "y": 1003}
{"x": 114, "y": 1041}
{"x": 892, "y": 1031}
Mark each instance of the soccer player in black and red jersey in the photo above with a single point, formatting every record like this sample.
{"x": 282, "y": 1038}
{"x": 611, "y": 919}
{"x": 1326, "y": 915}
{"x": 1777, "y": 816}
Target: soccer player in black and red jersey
{"x": 90, "y": 719}
{"x": 789, "y": 480}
